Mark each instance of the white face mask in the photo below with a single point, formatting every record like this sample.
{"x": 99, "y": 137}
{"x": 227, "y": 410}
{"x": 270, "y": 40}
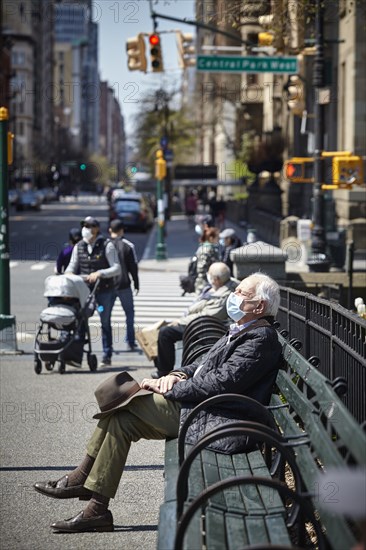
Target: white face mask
{"x": 233, "y": 304}
{"x": 209, "y": 279}
{"x": 87, "y": 234}
{"x": 198, "y": 230}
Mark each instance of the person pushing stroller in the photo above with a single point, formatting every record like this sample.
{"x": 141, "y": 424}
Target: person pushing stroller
{"x": 95, "y": 257}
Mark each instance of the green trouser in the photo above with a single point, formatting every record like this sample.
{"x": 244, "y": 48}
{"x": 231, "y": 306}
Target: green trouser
{"x": 146, "y": 417}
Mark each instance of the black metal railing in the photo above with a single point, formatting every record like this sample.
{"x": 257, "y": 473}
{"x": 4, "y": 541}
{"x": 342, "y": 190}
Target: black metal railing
{"x": 333, "y": 334}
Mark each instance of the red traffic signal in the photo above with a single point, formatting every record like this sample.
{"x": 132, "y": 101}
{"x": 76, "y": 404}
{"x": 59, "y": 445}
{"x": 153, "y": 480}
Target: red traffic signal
{"x": 155, "y": 53}
{"x": 154, "y": 39}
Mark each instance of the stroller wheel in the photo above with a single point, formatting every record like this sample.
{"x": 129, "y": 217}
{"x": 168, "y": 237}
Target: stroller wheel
{"x": 37, "y": 366}
{"x": 49, "y": 365}
{"x": 61, "y": 367}
{"x": 92, "y": 362}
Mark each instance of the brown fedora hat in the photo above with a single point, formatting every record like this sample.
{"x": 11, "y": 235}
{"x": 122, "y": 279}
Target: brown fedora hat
{"x": 116, "y": 392}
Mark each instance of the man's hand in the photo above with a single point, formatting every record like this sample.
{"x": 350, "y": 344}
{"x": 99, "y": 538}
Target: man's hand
{"x": 136, "y": 291}
{"x": 92, "y": 277}
{"x": 161, "y": 385}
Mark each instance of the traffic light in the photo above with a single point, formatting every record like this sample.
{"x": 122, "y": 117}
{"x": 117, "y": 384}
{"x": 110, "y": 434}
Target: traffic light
{"x": 265, "y": 39}
{"x": 295, "y": 89}
{"x": 186, "y": 49}
{"x": 299, "y": 170}
{"x": 136, "y": 58}
{"x": 347, "y": 170}
{"x": 156, "y": 53}
{"x": 82, "y": 166}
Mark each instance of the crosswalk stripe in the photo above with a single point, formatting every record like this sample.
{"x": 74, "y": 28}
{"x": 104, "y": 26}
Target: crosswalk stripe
{"x": 159, "y": 299}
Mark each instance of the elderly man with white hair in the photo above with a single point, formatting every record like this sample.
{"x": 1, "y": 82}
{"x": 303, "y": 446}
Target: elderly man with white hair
{"x": 244, "y": 361}
{"x": 211, "y": 302}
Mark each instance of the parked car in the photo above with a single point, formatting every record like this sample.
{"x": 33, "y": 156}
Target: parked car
{"x": 28, "y": 200}
{"x": 133, "y": 209}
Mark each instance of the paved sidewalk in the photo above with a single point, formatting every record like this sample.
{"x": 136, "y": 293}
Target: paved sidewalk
{"x": 46, "y": 421}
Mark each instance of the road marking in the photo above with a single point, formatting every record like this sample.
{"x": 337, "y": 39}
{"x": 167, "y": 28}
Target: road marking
{"x": 38, "y": 267}
{"x": 13, "y": 264}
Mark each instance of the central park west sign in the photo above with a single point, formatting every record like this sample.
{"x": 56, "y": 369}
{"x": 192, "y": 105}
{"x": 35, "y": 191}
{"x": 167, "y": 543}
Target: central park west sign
{"x": 251, "y": 64}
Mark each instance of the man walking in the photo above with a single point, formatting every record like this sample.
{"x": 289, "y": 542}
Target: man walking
{"x": 128, "y": 260}
{"x": 95, "y": 257}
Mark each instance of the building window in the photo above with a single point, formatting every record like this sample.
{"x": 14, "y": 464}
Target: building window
{"x": 18, "y": 58}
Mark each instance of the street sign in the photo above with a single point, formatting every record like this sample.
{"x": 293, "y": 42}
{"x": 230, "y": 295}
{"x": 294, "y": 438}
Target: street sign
{"x": 168, "y": 155}
{"x": 164, "y": 142}
{"x": 247, "y": 64}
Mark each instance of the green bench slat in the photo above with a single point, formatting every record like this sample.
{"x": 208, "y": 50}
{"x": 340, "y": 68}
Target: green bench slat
{"x": 257, "y": 530}
{"x": 236, "y": 532}
{"x": 193, "y": 537}
{"x": 171, "y": 469}
{"x": 277, "y": 530}
{"x": 271, "y": 499}
{"x": 167, "y": 525}
{"x": 215, "y": 538}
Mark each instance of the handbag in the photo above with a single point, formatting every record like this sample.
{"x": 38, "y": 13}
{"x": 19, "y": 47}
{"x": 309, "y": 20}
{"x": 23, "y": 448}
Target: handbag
{"x": 187, "y": 281}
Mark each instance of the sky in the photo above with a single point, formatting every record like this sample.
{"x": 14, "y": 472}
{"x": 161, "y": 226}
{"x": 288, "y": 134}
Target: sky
{"x": 119, "y": 20}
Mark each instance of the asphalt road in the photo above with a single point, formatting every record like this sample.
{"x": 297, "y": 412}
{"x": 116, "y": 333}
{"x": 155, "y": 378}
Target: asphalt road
{"x": 39, "y": 236}
{"x": 46, "y": 419}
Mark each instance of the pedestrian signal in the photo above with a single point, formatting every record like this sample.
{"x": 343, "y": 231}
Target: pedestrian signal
{"x": 156, "y": 53}
{"x": 299, "y": 170}
{"x": 136, "y": 58}
{"x": 347, "y": 171}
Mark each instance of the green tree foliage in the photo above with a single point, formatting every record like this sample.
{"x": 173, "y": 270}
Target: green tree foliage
{"x": 158, "y": 121}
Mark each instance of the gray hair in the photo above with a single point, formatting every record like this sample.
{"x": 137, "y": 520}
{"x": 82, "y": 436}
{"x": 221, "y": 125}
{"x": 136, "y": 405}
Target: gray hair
{"x": 220, "y": 270}
{"x": 268, "y": 290}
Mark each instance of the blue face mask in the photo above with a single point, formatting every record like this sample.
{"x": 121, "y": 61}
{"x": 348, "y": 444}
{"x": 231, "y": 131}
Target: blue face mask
{"x": 233, "y": 304}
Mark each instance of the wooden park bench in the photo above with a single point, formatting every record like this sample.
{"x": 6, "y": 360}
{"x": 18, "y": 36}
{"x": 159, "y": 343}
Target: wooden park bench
{"x": 263, "y": 498}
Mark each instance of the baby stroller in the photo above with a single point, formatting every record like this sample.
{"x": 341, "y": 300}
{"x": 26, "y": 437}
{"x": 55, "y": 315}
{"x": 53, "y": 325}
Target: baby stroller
{"x": 64, "y": 330}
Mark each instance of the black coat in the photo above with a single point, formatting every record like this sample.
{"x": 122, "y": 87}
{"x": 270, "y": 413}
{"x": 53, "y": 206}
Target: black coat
{"x": 129, "y": 266}
{"x": 247, "y": 365}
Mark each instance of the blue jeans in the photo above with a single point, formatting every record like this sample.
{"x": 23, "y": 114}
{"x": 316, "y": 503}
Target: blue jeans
{"x": 105, "y": 301}
{"x": 126, "y": 298}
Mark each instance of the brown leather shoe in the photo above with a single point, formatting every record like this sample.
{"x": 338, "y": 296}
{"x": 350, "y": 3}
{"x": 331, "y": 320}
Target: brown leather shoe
{"x": 59, "y": 489}
{"x": 78, "y": 524}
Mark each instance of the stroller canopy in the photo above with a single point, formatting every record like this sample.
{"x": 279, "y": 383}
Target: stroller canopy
{"x": 66, "y": 286}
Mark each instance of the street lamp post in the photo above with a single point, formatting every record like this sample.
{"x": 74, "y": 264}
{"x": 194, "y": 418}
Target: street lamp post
{"x": 318, "y": 260}
{"x": 7, "y": 321}
{"x": 160, "y": 174}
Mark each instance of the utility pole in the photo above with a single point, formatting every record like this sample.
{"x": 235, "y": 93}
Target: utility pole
{"x": 318, "y": 260}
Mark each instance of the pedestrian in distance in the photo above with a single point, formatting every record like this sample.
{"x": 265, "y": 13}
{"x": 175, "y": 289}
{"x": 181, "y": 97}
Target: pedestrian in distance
{"x": 129, "y": 268}
{"x": 95, "y": 258}
{"x": 211, "y": 302}
{"x": 207, "y": 253}
{"x": 63, "y": 259}
{"x": 245, "y": 361}
{"x": 191, "y": 206}
{"x": 228, "y": 241}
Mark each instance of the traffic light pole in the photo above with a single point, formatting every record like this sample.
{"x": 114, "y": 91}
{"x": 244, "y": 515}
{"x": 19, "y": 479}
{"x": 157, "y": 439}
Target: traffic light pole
{"x": 318, "y": 260}
{"x": 160, "y": 174}
{"x": 7, "y": 321}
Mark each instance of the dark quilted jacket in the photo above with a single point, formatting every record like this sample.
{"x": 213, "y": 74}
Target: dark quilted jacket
{"x": 247, "y": 365}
